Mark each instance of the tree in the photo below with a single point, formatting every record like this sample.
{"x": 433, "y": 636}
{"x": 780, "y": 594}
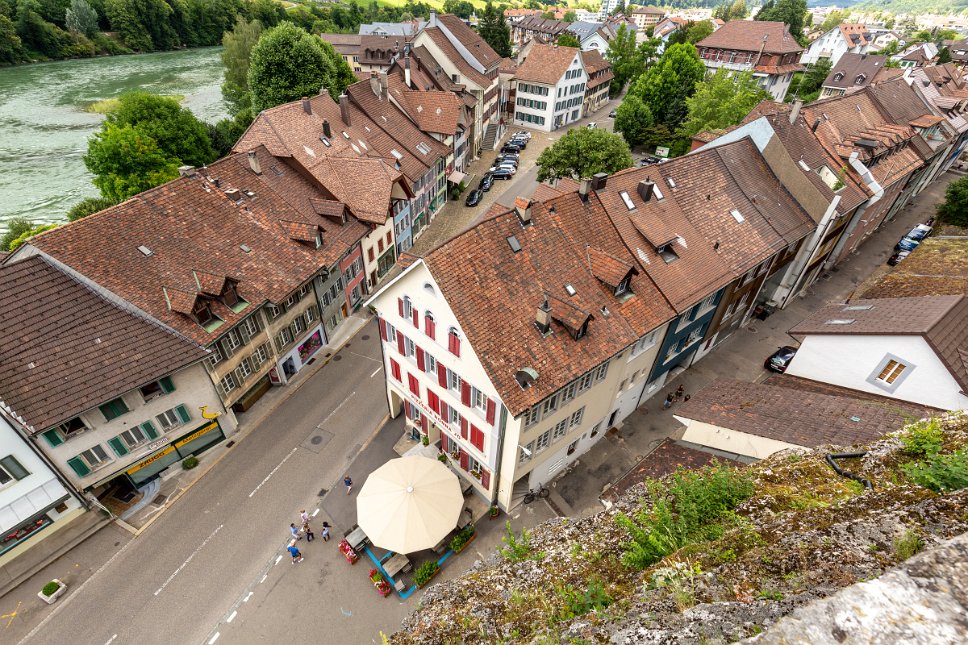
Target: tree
{"x": 698, "y": 31}
{"x": 570, "y": 16}
{"x": 833, "y": 19}
{"x": 494, "y": 30}
{"x": 144, "y": 25}
{"x": 665, "y": 86}
{"x": 582, "y": 152}
{"x": 177, "y": 132}
{"x": 125, "y": 162}
{"x": 460, "y": 8}
{"x": 568, "y": 39}
{"x": 35, "y": 230}
{"x": 11, "y": 47}
{"x": 735, "y": 11}
{"x": 236, "y": 52}
{"x": 82, "y": 18}
{"x": 87, "y": 207}
{"x": 343, "y": 75}
{"x": 15, "y": 228}
{"x": 619, "y": 8}
{"x": 288, "y": 63}
{"x": 621, "y": 54}
{"x": 954, "y": 208}
{"x": 789, "y": 11}
{"x": 722, "y": 100}
{"x": 806, "y": 86}
{"x": 634, "y": 120}
{"x": 944, "y": 56}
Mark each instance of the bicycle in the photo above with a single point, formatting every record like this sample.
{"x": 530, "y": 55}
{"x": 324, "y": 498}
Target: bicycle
{"x": 533, "y": 494}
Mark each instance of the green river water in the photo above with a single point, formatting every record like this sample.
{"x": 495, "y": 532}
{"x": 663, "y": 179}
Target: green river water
{"x": 44, "y": 126}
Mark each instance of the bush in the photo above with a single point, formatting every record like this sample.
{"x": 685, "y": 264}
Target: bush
{"x": 462, "y": 538}
{"x": 190, "y": 463}
{"x": 425, "y": 440}
{"x": 954, "y": 209}
{"x": 425, "y": 572}
{"x": 50, "y": 588}
{"x": 579, "y": 603}
{"x": 442, "y": 458}
{"x": 923, "y": 438}
{"x": 940, "y": 473}
{"x": 87, "y": 207}
{"x": 517, "y": 549}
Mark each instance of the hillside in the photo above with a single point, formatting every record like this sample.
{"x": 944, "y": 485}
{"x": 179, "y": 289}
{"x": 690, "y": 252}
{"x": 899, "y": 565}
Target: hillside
{"x": 721, "y": 554}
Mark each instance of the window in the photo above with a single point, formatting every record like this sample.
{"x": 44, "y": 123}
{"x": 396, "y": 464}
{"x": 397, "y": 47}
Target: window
{"x": 550, "y": 404}
{"x": 10, "y": 470}
{"x": 298, "y": 325}
{"x": 407, "y": 311}
{"x": 261, "y": 355}
{"x": 395, "y": 369}
{"x": 585, "y": 381}
{"x": 602, "y": 372}
{"x": 595, "y": 429}
{"x": 216, "y": 356}
{"x": 569, "y": 392}
{"x": 543, "y": 441}
{"x": 576, "y": 417}
{"x": 250, "y": 326}
{"x": 113, "y": 409}
{"x": 453, "y": 341}
{"x": 133, "y": 437}
{"x": 478, "y": 400}
{"x": 312, "y": 314}
{"x": 623, "y": 286}
{"x": 430, "y": 363}
{"x": 560, "y": 428}
{"x": 95, "y": 457}
{"x": 453, "y": 380}
{"x": 414, "y": 385}
{"x": 71, "y": 428}
{"x": 227, "y": 384}
{"x": 891, "y": 371}
{"x": 244, "y": 369}
{"x": 230, "y": 342}
{"x": 531, "y": 416}
{"x": 285, "y": 337}
{"x": 409, "y": 349}
{"x": 477, "y": 438}
{"x": 157, "y": 388}
{"x": 454, "y": 415}
{"x": 174, "y": 417}
{"x": 526, "y": 452}
{"x": 643, "y": 343}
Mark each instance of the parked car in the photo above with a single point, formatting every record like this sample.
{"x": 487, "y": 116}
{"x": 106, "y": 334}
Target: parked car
{"x": 520, "y": 143}
{"x": 504, "y": 166}
{"x": 523, "y": 133}
{"x": 510, "y": 147}
{"x": 919, "y": 232}
{"x": 897, "y": 258}
{"x": 649, "y": 160}
{"x": 611, "y": 114}
{"x": 474, "y": 197}
{"x": 505, "y": 159}
{"x": 509, "y": 155}
{"x": 780, "y": 359}
{"x": 591, "y": 126}
{"x": 486, "y": 182}
{"x": 501, "y": 173}
{"x": 906, "y": 244}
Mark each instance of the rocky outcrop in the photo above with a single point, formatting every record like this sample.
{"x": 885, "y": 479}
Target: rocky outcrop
{"x": 801, "y": 537}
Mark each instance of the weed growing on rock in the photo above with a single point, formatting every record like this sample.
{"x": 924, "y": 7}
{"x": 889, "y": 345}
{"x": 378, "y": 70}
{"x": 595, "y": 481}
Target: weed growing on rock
{"x": 579, "y": 603}
{"x": 923, "y": 438}
{"x": 940, "y": 473}
{"x": 907, "y": 544}
{"x": 517, "y": 549}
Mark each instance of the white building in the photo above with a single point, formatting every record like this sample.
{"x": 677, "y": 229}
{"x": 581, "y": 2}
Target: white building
{"x": 842, "y": 39}
{"x": 911, "y": 349}
{"x": 551, "y": 87}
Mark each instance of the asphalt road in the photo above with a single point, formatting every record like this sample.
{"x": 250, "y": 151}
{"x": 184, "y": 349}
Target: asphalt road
{"x": 181, "y": 579}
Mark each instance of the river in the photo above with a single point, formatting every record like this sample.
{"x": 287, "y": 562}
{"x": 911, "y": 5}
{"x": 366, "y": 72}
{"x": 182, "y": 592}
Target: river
{"x": 44, "y": 125}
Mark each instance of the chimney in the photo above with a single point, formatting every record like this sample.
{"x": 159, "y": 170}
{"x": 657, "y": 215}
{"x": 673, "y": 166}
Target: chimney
{"x": 254, "y": 163}
{"x": 542, "y": 317}
{"x": 522, "y": 207}
{"x": 327, "y": 131}
{"x": 583, "y": 189}
{"x": 816, "y": 124}
{"x": 406, "y": 70}
{"x": 234, "y": 194}
{"x": 374, "y": 84}
{"x": 645, "y": 188}
{"x": 384, "y": 86}
{"x": 795, "y": 112}
{"x": 307, "y": 108}
{"x": 599, "y": 180}
{"x": 344, "y": 109}
{"x": 186, "y": 171}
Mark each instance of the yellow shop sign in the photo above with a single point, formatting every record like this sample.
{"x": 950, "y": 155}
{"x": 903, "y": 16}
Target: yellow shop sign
{"x": 150, "y": 460}
{"x": 195, "y": 435}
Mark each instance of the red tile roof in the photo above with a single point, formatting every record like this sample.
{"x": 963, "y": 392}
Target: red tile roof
{"x": 753, "y": 35}
{"x": 546, "y": 63}
{"x": 432, "y": 110}
{"x": 594, "y": 63}
{"x": 65, "y": 349}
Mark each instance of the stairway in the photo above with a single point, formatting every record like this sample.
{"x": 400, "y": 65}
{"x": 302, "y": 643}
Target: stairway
{"x": 490, "y": 137}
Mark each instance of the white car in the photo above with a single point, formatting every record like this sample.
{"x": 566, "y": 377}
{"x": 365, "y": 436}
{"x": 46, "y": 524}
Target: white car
{"x": 591, "y": 126}
{"x": 523, "y": 133}
{"x": 504, "y": 166}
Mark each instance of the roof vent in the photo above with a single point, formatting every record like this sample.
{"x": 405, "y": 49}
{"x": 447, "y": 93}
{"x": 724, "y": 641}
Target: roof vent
{"x": 234, "y": 194}
{"x": 97, "y": 341}
{"x": 307, "y": 106}
{"x": 645, "y": 189}
{"x": 599, "y": 180}
{"x": 145, "y": 251}
{"x": 513, "y": 243}
{"x": 327, "y": 131}
{"x": 31, "y": 365}
{"x": 246, "y": 248}
{"x": 605, "y": 311}
{"x": 803, "y": 164}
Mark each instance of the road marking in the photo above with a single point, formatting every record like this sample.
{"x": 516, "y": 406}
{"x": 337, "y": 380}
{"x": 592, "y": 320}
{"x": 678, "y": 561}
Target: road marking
{"x": 214, "y": 638}
{"x": 328, "y": 416}
{"x": 266, "y": 575}
{"x": 315, "y": 513}
{"x": 376, "y": 371}
{"x": 111, "y": 640}
{"x": 369, "y": 358}
{"x": 189, "y": 559}
{"x": 246, "y": 599}
{"x": 13, "y": 615}
{"x": 278, "y": 559}
{"x": 346, "y": 612}
{"x": 231, "y": 616}
{"x": 273, "y": 471}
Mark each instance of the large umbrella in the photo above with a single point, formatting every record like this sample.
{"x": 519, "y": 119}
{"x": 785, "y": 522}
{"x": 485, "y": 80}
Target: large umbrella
{"x": 409, "y": 504}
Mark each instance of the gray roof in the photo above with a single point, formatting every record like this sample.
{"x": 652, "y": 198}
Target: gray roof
{"x": 583, "y": 29}
{"x": 391, "y": 28}
{"x": 854, "y": 70}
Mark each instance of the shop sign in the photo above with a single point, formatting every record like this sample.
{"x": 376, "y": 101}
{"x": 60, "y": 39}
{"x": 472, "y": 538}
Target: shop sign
{"x": 150, "y": 460}
{"x": 195, "y": 435}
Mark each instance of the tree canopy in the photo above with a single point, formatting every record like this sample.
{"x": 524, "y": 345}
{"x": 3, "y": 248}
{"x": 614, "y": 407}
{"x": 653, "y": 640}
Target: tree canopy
{"x": 634, "y": 120}
{"x": 629, "y": 60}
{"x": 722, "y": 100}
{"x": 236, "y": 52}
{"x": 806, "y": 85}
{"x": 460, "y": 8}
{"x": 582, "y": 152}
{"x": 494, "y": 30}
{"x": 178, "y": 133}
{"x": 568, "y": 39}
{"x": 735, "y": 11}
{"x": 954, "y": 208}
{"x": 791, "y": 12}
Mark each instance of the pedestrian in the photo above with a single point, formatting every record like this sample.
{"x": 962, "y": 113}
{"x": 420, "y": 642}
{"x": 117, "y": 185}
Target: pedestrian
{"x": 679, "y": 392}
{"x": 668, "y": 401}
{"x": 325, "y": 532}
{"x": 686, "y": 398}
{"x": 303, "y": 516}
{"x": 294, "y": 552}
{"x": 310, "y": 536}
{"x": 294, "y": 532}
{"x": 348, "y": 483}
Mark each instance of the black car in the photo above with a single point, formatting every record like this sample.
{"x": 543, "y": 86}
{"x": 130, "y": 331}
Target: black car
{"x": 505, "y": 159}
{"x": 501, "y": 173}
{"x": 486, "y": 182}
{"x": 649, "y": 160}
{"x": 510, "y": 147}
{"x": 780, "y": 359}
{"x": 474, "y": 198}
{"x": 519, "y": 141}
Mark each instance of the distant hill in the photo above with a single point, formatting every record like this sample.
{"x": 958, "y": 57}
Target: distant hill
{"x": 908, "y": 6}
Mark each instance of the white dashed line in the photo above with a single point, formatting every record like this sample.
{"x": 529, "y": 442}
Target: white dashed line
{"x": 189, "y": 559}
{"x": 315, "y": 513}
{"x": 272, "y": 472}
{"x": 246, "y": 599}
{"x": 231, "y": 616}
{"x": 278, "y": 560}
{"x": 266, "y": 575}
{"x": 111, "y": 640}
{"x": 214, "y": 638}
{"x": 376, "y": 371}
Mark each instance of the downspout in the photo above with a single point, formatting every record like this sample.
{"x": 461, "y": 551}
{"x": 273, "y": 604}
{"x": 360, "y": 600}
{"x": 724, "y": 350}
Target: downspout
{"x": 500, "y": 454}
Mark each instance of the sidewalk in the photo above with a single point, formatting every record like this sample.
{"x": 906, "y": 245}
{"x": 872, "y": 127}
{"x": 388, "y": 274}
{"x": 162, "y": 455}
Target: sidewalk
{"x": 740, "y": 356}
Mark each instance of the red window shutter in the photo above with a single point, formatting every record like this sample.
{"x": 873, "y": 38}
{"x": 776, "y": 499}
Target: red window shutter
{"x": 490, "y": 411}
{"x": 463, "y": 428}
{"x": 400, "y": 306}
{"x": 429, "y": 326}
{"x": 463, "y": 460}
{"x": 406, "y": 408}
{"x": 380, "y": 245}
{"x": 444, "y": 412}
{"x": 465, "y": 393}
{"x": 441, "y": 376}
{"x": 389, "y": 238}
{"x": 477, "y": 438}
{"x": 371, "y": 254}
{"x": 485, "y": 479}
{"x": 400, "y": 346}
{"x": 395, "y": 369}
{"x": 424, "y": 424}
{"x": 383, "y": 330}
{"x": 416, "y": 317}
{"x": 420, "y": 360}
{"x": 414, "y": 384}
{"x": 453, "y": 344}
{"x": 443, "y": 442}
{"x": 433, "y": 401}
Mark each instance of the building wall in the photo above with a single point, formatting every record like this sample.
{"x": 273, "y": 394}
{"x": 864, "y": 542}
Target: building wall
{"x": 685, "y": 336}
{"x": 193, "y": 390}
{"x": 741, "y": 443}
{"x": 534, "y": 109}
{"x": 850, "y": 361}
{"x": 379, "y": 254}
{"x": 831, "y": 46}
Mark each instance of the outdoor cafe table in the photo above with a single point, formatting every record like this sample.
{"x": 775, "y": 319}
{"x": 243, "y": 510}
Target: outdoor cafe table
{"x": 356, "y": 538}
{"x": 396, "y": 564}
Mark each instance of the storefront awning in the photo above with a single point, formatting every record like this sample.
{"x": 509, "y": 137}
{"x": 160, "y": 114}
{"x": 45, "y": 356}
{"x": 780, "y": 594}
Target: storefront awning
{"x": 456, "y": 177}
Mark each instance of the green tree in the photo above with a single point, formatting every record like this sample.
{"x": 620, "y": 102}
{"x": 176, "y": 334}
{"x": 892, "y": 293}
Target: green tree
{"x": 698, "y": 31}
{"x": 946, "y": 34}
{"x": 177, "y": 132}
{"x": 460, "y": 8}
{"x": 954, "y": 208}
{"x": 619, "y": 8}
{"x": 125, "y": 162}
{"x": 621, "y": 53}
{"x": 494, "y": 30}
{"x": 735, "y": 11}
{"x": 806, "y": 86}
{"x": 144, "y": 25}
{"x": 236, "y": 53}
{"x": 722, "y": 100}
{"x": 791, "y": 12}
{"x": 665, "y": 86}
{"x": 570, "y": 16}
{"x": 36, "y": 230}
{"x": 343, "y": 75}
{"x": 268, "y": 12}
{"x": 11, "y": 47}
{"x": 15, "y": 228}
{"x": 944, "y": 56}
{"x": 82, "y": 18}
{"x": 833, "y": 19}
{"x": 87, "y": 207}
{"x": 634, "y": 120}
{"x": 288, "y": 63}
{"x": 227, "y": 132}
{"x": 582, "y": 152}
{"x": 568, "y": 39}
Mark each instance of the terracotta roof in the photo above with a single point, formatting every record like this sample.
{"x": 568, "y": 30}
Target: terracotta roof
{"x": 608, "y": 268}
{"x": 845, "y": 74}
{"x": 541, "y": 25}
{"x": 856, "y": 34}
{"x": 65, "y": 349}
{"x": 431, "y": 110}
{"x": 753, "y": 35}
{"x": 345, "y": 44}
{"x": 939, "y": 266}
{"x": 546, "y": 63}
{"x": 779, "y": 69}
{"x": 806, "y": 385}
{"x": 449, "y": 52}
{"x": 471, "y": 40}
{"x": 508, "y": 65}
{"x": 801, "y": 418}
{"x": 941, "y": 320}
{"x": 594, "y": 63}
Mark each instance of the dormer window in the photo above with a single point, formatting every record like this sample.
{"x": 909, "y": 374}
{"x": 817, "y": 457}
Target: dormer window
{"x": 860, "y": 79}
{"x": 623, "y": 286}
{"x": 202, "y": 313}
{"x": 230, "y": 296}
{"x": 839, "y": 76}
{"x": 582, "y": 331}
{"x": 667, "y": 253}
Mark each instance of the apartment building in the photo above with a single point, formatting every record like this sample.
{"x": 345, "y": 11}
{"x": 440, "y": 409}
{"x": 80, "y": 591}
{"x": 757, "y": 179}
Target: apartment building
{"x": 645, "y": 17}
{"x": 853, "y": 72}
{"x": 600, "y": 76}
{"x": 845, "y": 38}
{"x": 551, "y": 85}
{"x": 348, "y": 47}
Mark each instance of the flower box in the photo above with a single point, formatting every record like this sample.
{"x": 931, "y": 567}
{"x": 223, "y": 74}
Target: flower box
{"x": 382, "y": 586}
{"x": 54, "y": 593}
{"x": 425, "y": 573}
{"x": 348, "y": 552}
{"x": 463, "y": 538}
{"x": 464, "y": 546}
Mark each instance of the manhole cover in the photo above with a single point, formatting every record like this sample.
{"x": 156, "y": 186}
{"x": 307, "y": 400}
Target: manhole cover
{"x": 230, "y": 444}
{"x": 337, "y": 358}
{"x": 322, "y": 492}
{"x": 316, "y": 440}
{"x": 365, "y": 337}
{"x": 161, "y": 499}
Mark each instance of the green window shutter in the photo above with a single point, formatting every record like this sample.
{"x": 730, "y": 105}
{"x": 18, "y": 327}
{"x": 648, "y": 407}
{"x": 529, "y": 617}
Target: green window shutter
{"x": 53, "y": 438}
{"x": 149, "y": 429}
{"x": 107, "y": 410}
{"x": 183, "y": 413}
{"x": 113, "y": 409}
{"x": 118, "y": 446}
{"x": 167, "y": 385}
{"x": 79, "y": 466}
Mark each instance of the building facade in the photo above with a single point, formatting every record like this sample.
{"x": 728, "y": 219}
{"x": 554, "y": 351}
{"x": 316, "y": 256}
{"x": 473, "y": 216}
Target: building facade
{"x": 551, "y": 86}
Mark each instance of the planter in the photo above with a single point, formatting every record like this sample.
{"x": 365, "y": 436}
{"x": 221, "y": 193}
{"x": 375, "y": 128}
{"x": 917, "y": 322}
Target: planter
{"x": 427, "y": 581}
{"x": 471, "y": 539}
{"x": 494, "y": 513}
{"x": 348, "y": 552}
{"x": 60, "y": 591}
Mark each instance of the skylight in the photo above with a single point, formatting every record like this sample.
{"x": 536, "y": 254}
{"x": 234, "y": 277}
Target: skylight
{"x": 859, "y": 308}
{"x": 145, "y": 251}
{"x": 345, "y": 135}
{"x": 396, "y": 154}
{"x": 326, "y": 142}
{"x": 737, "y": 216}
{"x": 628, "y": 200}
{"x": 839, "y": 321}
{"x": 570, "y": 290}
{"x": 513, "y": 243}
{"x": 657, "y": 192}
{"x": 671, "y": 182}
{"x": 245, "y": 247}
{"x": 423, "y": 148}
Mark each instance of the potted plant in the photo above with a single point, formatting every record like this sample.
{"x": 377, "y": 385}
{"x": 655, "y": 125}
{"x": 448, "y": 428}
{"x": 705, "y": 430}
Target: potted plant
{"x": 382, "y": 586}
{"x": 425, "y": 572}
{"x": 442, "y": 458}
{"x": 189, "y": 463}
{"x": 52, "y": 591}
{"x": 425, "y": 440}
{"x": 493, "y": 512}
{"x": 348, "y": 552}
{"x": 460, "y": 541}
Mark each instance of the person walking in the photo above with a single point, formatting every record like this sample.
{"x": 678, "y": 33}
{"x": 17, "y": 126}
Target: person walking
{"x": 310, "y": 536}
{"x": 294, "y": 552}
{"x": 294, "y": 532}
{"x": 668, "y": 402}
{"x": 348, "y": 483}
{"x": 303, "y": 516}
{"x": 325, "y": 532}
{"x": 679, "y": 392}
